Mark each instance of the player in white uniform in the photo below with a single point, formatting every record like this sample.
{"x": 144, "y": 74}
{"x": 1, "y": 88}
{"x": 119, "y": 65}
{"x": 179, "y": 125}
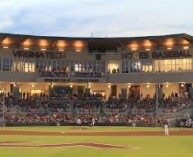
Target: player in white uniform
{"x": 79, "y": 122}
{"x": 166, "y": 129}
{"x": 93, "y": 121}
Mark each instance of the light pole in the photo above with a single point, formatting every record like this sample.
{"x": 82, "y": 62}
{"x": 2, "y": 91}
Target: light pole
{"x": 3, "y": 108}
{"x": 157, "y": 103}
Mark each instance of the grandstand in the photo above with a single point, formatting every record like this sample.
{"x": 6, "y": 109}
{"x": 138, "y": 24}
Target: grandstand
{"x": 126, "y": 80}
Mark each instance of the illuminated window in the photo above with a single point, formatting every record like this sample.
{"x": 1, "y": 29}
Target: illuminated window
{"x": 29, "y": 67}
{"x": 147, "y": 68}
{"x": 24, "y": 66}
{"x": 113, "y": 67}
{"x": 77, "y": 67}
{"x": 136, "y": 66}
{"x": 173, "y": 65}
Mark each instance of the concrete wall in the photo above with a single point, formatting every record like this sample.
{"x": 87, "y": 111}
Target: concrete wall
{"x": 10, "y": 76}
{"x": 151, "y": 77}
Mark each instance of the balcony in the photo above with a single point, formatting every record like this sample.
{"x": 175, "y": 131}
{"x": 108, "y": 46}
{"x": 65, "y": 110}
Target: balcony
{"x": 71, "y": 77}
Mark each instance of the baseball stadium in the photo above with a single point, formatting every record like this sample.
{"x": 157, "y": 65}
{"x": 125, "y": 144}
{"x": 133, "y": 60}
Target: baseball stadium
{"x": 80, "y": 96}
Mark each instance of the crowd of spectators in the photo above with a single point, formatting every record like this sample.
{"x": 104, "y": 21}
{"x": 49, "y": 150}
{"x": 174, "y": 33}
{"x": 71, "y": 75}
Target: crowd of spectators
{"x": 39, "y": 118}
{"x": 87, "y": 117}
{"x": 41, "y": 108}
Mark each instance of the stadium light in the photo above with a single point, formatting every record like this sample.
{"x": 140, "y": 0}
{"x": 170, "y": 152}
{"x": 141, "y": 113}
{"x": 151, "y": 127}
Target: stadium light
{"x": 43, "y": 49}
{"x": 26, "y": 48}
{"x": 61, "y": 50}
{"x": 134, "y": 49}
{"x": 186, "y": 47}
{"x": 148, "y": 49}
{"x": 78, "y": 50}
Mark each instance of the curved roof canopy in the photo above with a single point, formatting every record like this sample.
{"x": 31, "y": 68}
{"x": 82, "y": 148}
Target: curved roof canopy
{"x": 93, "y": 44}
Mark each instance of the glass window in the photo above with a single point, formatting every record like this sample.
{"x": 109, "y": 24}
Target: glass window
{"x": 77, "y": 67}
{"x": 24, "y": 65}
{"x": 173, "y": 65}
{"x": 147, "y": 68}
{"x": 7, "y": 64}
{"x": 137, "y": 66}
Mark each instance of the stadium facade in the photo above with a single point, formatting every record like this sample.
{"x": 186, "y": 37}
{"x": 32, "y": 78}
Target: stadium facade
{"x": 109, "y": 66}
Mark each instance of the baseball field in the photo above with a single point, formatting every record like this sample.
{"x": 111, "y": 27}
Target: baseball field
{"x": 94, "y": 142}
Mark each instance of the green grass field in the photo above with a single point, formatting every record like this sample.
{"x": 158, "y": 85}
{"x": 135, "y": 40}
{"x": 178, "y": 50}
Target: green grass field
{"x": 142, "y": 146}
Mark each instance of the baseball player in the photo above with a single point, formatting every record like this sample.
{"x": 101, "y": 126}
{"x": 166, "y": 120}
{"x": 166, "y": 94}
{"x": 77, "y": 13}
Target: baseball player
{"x": 93, "y": 121}
{"x": 79, "y": 122}
{"x": 166, "y": 129}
